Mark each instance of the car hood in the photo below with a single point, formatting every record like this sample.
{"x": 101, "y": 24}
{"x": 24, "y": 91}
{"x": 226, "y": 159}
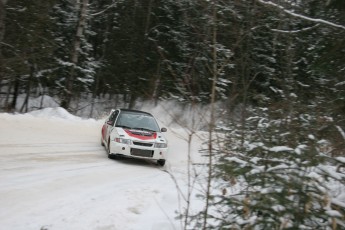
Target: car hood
{"x": 141, "y": 135}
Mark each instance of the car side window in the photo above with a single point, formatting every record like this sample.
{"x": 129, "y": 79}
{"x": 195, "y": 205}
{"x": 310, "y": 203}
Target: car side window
{"x": 113, "y": 117}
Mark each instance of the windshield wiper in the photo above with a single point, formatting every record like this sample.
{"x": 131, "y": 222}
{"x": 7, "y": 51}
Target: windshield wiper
{"x": 145, "y": 129}
{"x": 123, "y": 126}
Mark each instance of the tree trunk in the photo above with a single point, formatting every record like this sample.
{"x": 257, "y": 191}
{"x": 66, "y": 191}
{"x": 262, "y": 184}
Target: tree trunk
{"x": 156, "y": 84}
{"x": 148, "y": 17}
{"x": 12, "y": 107}
{"x": 75, "y": 54}
{"x": 2, "y": 20}
{"x": 2, "y": 33}
{"x": 212, "y": 115}
{"x": 132, "y": 101}
{"x": 28, "y": 89}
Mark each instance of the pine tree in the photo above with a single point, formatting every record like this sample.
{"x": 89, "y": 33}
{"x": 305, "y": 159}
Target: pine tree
{"x": 74, "y": 54}
{"x": 278, "y": 165}
{"x": 27, "y": 50}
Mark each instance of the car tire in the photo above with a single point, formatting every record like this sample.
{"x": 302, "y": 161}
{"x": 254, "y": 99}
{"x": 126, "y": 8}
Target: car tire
{"x": 161, "y": 162}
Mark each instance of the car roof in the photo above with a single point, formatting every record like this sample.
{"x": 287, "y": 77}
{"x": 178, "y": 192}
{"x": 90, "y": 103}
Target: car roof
{"x": 136, "y": 111}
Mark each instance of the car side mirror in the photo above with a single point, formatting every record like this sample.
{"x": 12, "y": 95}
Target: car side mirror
{"x": 163, "y": 130}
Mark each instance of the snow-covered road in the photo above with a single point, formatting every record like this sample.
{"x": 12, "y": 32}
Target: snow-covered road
{"x": 54, "y": 174}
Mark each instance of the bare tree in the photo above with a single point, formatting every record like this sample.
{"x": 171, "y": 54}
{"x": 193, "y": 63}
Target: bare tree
{"x": 212, "y": 112}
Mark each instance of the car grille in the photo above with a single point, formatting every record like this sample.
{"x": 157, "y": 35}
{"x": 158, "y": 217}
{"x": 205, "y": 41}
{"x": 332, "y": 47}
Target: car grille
{"x": 142, "y": 143}
{"x": 142, "y": 152}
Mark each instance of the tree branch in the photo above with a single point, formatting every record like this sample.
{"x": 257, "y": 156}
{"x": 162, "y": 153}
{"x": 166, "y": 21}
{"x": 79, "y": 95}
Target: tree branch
{"x": 295, "y": 31}
{"x": 321, "y": 21}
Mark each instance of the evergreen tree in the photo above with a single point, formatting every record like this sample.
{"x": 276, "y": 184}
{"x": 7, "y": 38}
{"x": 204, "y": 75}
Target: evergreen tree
{"x": 76, "y": 65}
{"x": 28, "y": 49}
{"x": 282, "y": 178}
{"x": 279, "y": 164}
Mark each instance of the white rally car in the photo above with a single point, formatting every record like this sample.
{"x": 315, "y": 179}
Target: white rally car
{"x": 134, "y": 133}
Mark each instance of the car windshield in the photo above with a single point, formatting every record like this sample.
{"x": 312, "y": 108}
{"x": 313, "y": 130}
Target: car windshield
{"x": 135, "y": 120}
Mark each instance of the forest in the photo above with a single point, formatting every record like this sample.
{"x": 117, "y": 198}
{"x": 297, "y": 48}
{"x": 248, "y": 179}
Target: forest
{"x": 271, "y": 71}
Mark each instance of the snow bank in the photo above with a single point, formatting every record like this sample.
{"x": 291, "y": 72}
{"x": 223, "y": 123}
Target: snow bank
{"x": 44, "y": 101}
{"x": 57, "y": 112}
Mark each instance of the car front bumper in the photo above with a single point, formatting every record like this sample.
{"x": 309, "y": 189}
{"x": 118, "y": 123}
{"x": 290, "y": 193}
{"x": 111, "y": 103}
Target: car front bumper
{"x": 137, "y": 151}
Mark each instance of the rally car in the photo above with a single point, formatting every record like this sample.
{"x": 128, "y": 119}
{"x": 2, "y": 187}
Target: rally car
{"x": 135, "y": 134}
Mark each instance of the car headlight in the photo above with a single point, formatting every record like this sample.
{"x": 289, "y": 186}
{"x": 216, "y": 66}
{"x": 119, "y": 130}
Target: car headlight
{"x": 161, "y": 145}
{"x": 123, "y": 141}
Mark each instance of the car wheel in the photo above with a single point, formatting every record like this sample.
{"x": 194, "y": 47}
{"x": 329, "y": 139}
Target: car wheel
{"x": 161, "y": 162}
